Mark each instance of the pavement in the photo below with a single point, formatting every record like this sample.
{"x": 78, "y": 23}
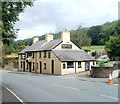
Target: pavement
{"x": 7, "y": 96}
{"x": 85, "y": 76}
{"x": 30, "y": 87}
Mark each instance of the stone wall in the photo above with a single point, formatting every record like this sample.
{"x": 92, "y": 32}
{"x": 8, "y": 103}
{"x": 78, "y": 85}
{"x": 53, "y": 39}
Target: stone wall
{"x": 101, "y": 72}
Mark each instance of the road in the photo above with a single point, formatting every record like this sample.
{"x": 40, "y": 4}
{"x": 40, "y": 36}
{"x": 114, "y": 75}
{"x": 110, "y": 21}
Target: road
{"x": 30, "y": 87}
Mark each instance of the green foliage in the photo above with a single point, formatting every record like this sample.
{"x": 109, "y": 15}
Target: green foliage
{"x": 117, "y": 28}
{"x": 102, "y": 64}
{"x": 113, "y": 46}
{"x": 10, "y": 13}
{"x": 107, "y": 31}
{"x": 100, "y": 34}
{"x": 94, "y": 48}
{"x": 93, "y": 32}
{"x": 26, "y": 42}
{"x": 80, "y": 38}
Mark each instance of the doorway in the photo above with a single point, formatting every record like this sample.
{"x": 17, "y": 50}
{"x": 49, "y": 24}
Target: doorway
{"x": 23, "y": 66}
{"x": 87, "y": 66}
{"x": 29, "y": 66}
{"x": 40, "y": 67}
{"x": 52, "y": 66}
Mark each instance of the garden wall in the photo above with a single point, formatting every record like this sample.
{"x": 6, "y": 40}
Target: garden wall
{"x": 103, "y": 72}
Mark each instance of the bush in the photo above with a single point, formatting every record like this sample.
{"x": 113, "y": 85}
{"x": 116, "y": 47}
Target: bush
{"x": 102, "y": 64}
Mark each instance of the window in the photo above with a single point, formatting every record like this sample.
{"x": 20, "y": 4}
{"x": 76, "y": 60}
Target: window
{"x": 23, "y": 56}
{"x": 49, "y": 54}
{"x": 79, "y": 64}
{"x": 64, "y": 66}
{"x": 21, "y": 64}
{"x": 33, "y": 55}
{"x": 27, "y": 55}
{"x": 33, "y": 65}
{"x": 45, "y": 54}
{"x": 39, "y": 54}
{"x": 70, "y": 65}
{"x": 45, "y": 66}
{"x": 30, "y": 54}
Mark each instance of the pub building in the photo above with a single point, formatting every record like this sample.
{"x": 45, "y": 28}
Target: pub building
{"x": 54, "y": 56}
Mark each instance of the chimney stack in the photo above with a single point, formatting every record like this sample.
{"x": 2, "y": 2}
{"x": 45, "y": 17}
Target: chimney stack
{"x": 35, "y": 39}
{"x": 48, "y": 37}
{"x": 65, "y": 36}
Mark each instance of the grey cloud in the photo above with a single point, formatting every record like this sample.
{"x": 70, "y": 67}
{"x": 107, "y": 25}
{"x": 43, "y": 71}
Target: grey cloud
{"x": 61, "y": 14}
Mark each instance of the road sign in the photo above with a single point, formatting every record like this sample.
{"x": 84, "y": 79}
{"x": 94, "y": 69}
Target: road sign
{"x": 115, "y": 73}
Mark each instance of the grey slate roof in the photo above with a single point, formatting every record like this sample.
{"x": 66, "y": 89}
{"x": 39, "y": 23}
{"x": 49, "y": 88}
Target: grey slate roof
{"x": 72, "y": 55}
{"x": 38, "y": 46}
{"x": 34, "y": 47}
{"x": 50, "y": 45}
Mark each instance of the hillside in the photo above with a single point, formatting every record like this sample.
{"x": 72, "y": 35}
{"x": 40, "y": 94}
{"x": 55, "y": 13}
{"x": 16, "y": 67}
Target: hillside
{"x": 95, "y": 35}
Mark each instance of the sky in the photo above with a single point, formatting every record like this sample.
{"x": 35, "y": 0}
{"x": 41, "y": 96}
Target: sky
{"x": 51, "y": 16}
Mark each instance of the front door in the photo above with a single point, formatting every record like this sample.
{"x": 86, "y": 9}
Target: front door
{"x": 87, "y": 66}
{"x": 23, "y": 66}
{"x": 40, "y": 67}
{"x": 52, "y": 66}
{"x": 29, "y": 66}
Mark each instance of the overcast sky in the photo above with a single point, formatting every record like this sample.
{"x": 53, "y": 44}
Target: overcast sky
{"x": 50, "y": 16}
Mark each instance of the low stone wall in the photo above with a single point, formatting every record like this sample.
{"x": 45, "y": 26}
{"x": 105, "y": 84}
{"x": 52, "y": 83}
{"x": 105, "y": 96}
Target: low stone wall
{"x": 101, "y": 72}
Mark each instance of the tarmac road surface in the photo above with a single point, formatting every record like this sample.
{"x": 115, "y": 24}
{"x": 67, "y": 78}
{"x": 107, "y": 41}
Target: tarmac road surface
{"x": 31, "y": 87}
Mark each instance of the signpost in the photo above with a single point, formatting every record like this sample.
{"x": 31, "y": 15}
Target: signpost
{"x": 115, "y": 73}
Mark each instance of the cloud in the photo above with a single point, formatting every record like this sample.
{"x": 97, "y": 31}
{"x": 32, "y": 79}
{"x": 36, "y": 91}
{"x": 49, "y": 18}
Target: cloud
{"x": 56, "y": 15}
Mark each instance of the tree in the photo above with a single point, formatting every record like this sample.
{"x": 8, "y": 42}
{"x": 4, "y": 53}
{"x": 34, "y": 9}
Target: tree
{"x": 100, "y": 34}
{"x": 80, "y": 38}
{"x": 107, "y": 30}
{"x": 93, "y": 32}
{"x": 10, "y": 13}
{"x": 113, "y": 46}
{"x": 117, "y": 28}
